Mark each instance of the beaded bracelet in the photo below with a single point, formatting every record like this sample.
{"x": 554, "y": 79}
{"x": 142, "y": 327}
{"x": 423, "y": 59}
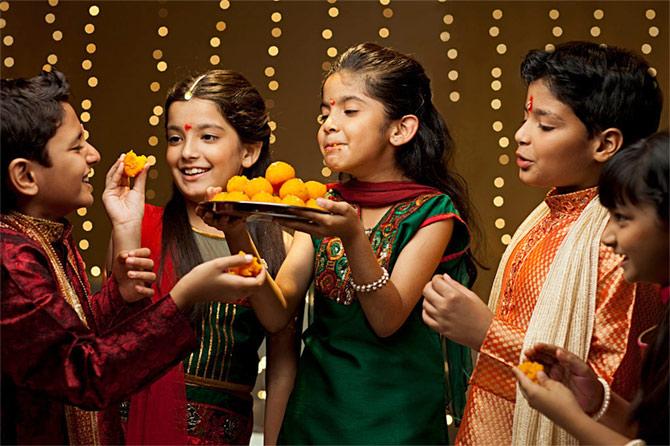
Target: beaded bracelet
{"x": 372, "y": 286}
{"x": 606, "y": 400}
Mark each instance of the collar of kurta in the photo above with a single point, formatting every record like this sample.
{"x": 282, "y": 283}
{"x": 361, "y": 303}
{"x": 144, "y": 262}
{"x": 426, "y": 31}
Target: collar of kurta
{"x": 52, "y": 231}
{"x": 570, "y": 203}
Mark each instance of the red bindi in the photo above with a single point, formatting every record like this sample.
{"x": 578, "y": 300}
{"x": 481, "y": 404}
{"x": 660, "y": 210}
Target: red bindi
{"x": 530, "y": 104}
{"x": 187, "y": 127}
{"x": 332, "y": 102}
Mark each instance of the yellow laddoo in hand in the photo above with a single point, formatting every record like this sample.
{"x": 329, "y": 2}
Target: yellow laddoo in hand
{"x": 221, "y": 196}
{"x": 292, "y": 200}
{"x": 530, "y": 369}
{"x": 133, "y": 164}
{"x": 249, "y": 270}
{"x": 237, "y": 196}
{"x": 256, "y": 185}
{"x": 315, "y": 189}
{"x": 279, "y": 172}
{"x": 296, "y": 187}
{"x": 263, "y": 197}
{"x": 237, "y": 183}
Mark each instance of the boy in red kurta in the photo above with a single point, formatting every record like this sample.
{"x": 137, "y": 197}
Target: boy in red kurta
{"x": 65, "y": 352}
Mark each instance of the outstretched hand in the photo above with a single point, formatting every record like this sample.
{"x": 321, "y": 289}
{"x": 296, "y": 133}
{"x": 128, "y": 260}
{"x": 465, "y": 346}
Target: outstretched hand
{"x": 342, "y": 220}
{"x": 133, "y": 271}
{"x": 124, "y": 205}
{"x": 211, "y": 281}
{"x": 567, "y": 368}
{"x": 551, "y": 398}
{"x": 455, "y": 312}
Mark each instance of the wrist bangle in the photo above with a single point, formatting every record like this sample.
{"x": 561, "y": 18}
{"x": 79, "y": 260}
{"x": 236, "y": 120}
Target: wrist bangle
{"x": 372, "y": 286}
{"x": 606, "y": 399}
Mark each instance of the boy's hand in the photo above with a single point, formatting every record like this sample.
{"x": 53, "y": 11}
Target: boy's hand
{"x": 133, "y": 271}
{"x": 455, "y": 312}
{"x": 548, "y": 396}
{"x": 211, "y": 281}
{"x": 567, "y": 368}
{"x": 125, "y": 206}
{"x": 342, "y": 222}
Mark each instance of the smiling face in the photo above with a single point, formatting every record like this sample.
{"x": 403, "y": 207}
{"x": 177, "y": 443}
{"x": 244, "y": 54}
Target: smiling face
{"x": 203, "y": 148}
{"x": 638, "y": 234}
{"x": 554, "y": 148}
{"x": 354, "y": 136}
{"x": 64, "y": 186}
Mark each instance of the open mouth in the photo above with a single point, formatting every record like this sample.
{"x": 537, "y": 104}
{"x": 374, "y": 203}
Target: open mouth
{"x": 193, "y": 171}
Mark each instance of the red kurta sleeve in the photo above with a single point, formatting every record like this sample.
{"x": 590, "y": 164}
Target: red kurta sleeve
{"x": 46, "y": 348}
{"x": 109, "y": 308}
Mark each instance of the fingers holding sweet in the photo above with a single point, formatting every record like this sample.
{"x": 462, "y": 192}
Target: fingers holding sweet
{"x": 114, "y": 175}
{"x": 140, "y": 182}
{"x": 525, "y": 384}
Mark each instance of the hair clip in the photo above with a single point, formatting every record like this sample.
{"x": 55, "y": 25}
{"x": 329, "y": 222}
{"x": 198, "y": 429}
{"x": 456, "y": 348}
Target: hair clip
{"x": 189, "y": 94}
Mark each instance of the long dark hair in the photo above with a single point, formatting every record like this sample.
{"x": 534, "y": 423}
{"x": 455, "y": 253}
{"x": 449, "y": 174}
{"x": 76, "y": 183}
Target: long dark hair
{"x": 243, "y": 107}
{"x": 400, "y": 83}
{"x": 638, "y": 174}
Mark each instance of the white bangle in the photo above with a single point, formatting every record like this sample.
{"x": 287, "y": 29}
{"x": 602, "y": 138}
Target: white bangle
{"x": 606, "y": 400}
{"x": 373, "y": 286}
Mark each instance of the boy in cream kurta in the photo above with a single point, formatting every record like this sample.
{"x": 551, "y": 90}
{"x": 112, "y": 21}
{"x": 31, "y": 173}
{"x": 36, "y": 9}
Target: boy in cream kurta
{"x": 555, "y": 280}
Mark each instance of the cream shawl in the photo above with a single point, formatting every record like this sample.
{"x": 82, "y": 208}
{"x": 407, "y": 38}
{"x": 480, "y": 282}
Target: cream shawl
{"x": 565, "y": 309}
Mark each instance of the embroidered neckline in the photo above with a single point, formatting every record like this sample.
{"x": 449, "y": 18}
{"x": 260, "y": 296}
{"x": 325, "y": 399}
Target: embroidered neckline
{"x": 51, "y": 230}
{"x": 570, "y": 203}
{"x": 43, "y": 232}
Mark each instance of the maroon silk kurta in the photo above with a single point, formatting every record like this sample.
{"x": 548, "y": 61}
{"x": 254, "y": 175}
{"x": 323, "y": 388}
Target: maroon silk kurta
{"x": 50, "y": 358}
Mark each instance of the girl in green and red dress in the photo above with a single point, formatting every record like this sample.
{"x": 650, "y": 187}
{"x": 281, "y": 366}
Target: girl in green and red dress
{"x": 217, "y": 127}
{"x": 371, "y": 370}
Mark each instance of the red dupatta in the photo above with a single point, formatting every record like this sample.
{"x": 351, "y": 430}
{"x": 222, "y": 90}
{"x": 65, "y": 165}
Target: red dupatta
{"x": 377, "y": 195}
{"x": 158, "y": 412}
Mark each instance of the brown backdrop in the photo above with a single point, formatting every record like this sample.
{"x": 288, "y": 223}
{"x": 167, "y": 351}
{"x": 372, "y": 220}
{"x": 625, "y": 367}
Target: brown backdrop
{"x": 122, "y": 56}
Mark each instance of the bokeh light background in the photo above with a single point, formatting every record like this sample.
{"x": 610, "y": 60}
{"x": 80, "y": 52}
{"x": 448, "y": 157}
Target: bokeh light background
{"x": 121, "y": 57}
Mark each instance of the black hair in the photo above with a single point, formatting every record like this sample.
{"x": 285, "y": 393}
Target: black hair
{"x": 650, "y": 407}
{"x": 637, "y": 174}
{"x": 400, "y": 83}
{"x": 243, "y": 107}
{"x": 606, "y": 87}
{"x": 31, "y": 111}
